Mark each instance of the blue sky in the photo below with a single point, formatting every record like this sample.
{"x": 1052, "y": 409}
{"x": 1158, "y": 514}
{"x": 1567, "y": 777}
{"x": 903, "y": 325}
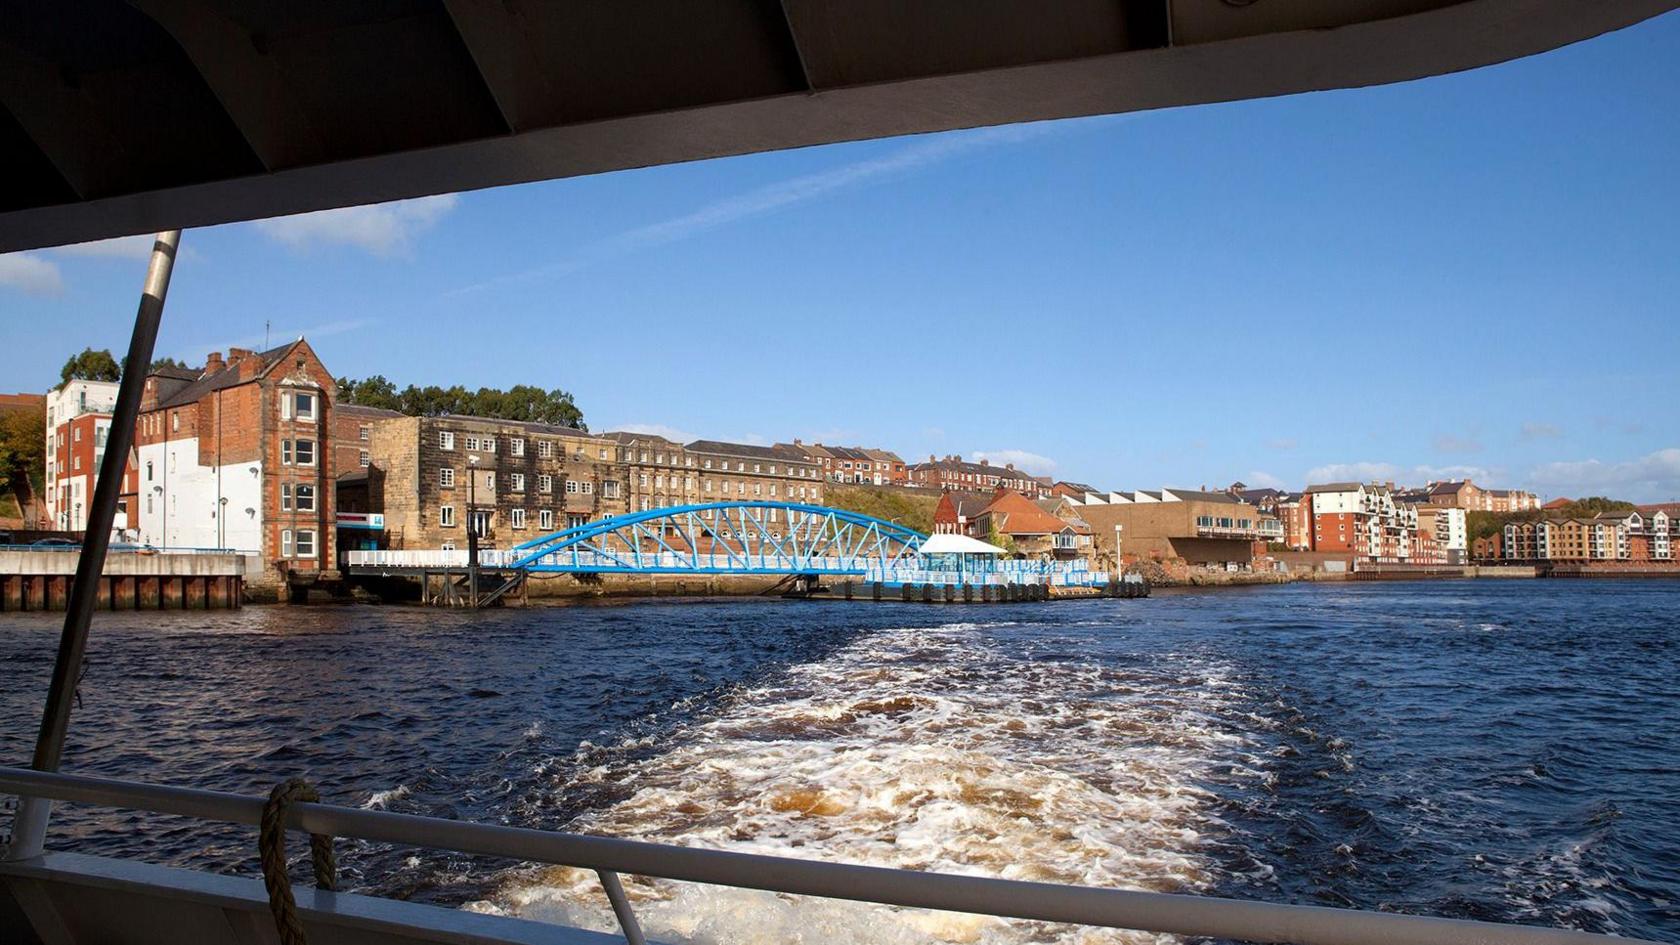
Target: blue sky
{"x": 1474, "y": 274}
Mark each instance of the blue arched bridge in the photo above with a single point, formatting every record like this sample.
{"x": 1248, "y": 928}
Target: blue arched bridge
{"x": 765, "y": 538}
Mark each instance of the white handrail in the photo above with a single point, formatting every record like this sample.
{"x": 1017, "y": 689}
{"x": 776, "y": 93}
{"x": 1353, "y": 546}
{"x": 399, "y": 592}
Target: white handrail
{"x": 1080, "y": 905}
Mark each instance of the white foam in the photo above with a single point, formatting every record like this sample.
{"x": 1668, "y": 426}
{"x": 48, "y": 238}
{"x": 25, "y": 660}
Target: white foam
{"x": 927, "y": 749}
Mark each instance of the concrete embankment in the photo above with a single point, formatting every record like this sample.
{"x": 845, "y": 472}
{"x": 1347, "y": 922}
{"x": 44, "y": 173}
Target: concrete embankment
{"x": 40, "y": 580}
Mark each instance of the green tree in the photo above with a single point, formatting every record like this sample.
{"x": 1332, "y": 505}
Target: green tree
{"x": 91, "y": 365}
{"x": 170, "y": 363}
{"x": 23, "y": 450}
{"x": 998, "y": 538}
{"x": 523, "y": 402}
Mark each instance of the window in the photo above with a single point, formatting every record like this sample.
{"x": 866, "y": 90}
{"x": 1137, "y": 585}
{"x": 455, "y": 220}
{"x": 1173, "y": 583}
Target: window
{"x": 364, "y": 458}
{"x": 490, "y": 481}
{"x": 516, "y": 446}
{"x": 516, "y": 481}
{"x": 285, "y": 452}
{"x": 305, "y": 543}
{"x": 472, "y": 443}
{"x": 610, "y": 488}
{"x": 587, "y": 488}
{"x": 448, "y": 546}
{"x": 285, "y": 497}
{"x": 545, "y": 449}
{"x": 148, "y": 471}
{"x": 76, "y": 462}
{"x": 78, "y": 436}
{"x": 305, "y": 452}
{"x": 446, "y": 478}
{"x": 305, "y": 498}
{"x": 489, "y": 444}
{"x": 545, "y": 483}
{"x": 365, "y": 432}
{"x": 175, "y": 421}
{"x": 446, "y": 516}
{"x": 516, "y": 518}
{"x": 545, "y": 518}
{"x": 642, "y": 480}
{"x": 285, "y": 543}
{"x": 305, "y": 406}
{"x": 446, "y": 440}
{"x": 576, "y": 520}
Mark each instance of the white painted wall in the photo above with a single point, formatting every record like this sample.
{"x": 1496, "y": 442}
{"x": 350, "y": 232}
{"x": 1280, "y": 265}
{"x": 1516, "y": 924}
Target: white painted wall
{"x": 179, "y": 505}
{"x": 1336, "y": 503}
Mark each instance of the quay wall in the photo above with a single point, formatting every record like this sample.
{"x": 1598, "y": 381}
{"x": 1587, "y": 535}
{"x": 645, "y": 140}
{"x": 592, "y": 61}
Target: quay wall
{"x": 40, "y": 580}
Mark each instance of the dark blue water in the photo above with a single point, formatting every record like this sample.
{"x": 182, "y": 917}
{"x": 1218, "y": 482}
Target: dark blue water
{"x": 1506, "y": 751}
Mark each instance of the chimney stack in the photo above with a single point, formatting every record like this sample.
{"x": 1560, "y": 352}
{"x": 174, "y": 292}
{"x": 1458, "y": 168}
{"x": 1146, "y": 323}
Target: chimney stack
{"x": 213, "y": 362}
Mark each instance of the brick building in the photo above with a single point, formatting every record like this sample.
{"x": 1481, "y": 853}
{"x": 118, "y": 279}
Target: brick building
{"x": 854, "y": 465}
{"x": 956, "y": 512}
{"x": 1208, "y": 529}
{"x": 955, "y": 473}
{"x": 1464, "y": 494}
{"x": 430, "y": 476}
{"x": 1363, "y": 521}
{"x": 241, "y": 457}
{"x": 1033, "y": 526}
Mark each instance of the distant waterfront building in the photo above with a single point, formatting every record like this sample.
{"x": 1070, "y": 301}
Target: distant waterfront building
{"x": 855, "y": 465}
{"x": 1363, "y": 521}
{"x": 239, "y": 456}
{"x": 1464, "y": 494}
{"x": 1294, "y": 511}
{"x": 78, "y": 413}
{"x": 1208, "y": 529}
{"x": 957, "y": 511}
{"x": 1448, "y": 530}
{"x": 953, "y": 472}
{"x": 743, "y": 472}
{"x": 1073, "y": 490}
{"x": 658, "y": 472}
{"x": 1033, "y": 525}
{"x": 1647, "y": 534}
{"x": 434, "y": 477}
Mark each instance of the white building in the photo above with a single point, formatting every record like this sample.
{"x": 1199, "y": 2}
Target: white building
{"x": 72, "y": 456}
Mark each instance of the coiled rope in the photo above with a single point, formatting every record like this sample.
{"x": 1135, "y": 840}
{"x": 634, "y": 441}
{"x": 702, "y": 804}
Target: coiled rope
{"x": 271, "y": 848}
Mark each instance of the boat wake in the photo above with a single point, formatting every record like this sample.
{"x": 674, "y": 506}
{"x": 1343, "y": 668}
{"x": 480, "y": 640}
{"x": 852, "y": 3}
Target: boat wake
{"x": 927, "y": 749}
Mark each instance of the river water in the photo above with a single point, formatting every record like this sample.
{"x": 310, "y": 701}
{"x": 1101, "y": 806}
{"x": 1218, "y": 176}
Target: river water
{"x": 1491, "y": 750}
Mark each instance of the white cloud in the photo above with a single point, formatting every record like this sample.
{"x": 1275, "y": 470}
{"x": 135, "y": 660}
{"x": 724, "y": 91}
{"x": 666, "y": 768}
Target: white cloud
{"x": 1540, "y": 431}
{"x": 1389, "y": 472}
{"x": 1263, "y": 480}
{"x": 655, "y": 429}
{"x": 1654, "y": 477}
{"x": 31, "y": 274}
{"x": 782, "y": 194}
{"x": 1020, "y": 459}
{"x": 1452, "y": 443}
{"x": 383, "y": 229}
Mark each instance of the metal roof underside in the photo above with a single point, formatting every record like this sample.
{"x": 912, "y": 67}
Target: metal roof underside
{"x": 129, "y": 117}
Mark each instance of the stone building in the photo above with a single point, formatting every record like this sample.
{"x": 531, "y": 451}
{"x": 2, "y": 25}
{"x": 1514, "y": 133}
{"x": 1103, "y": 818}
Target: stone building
{"x": 430, "y": 476}
{"x": 658, "y": 472}
{"x": 241, "y": 457}
{"x": 735, "y": 472}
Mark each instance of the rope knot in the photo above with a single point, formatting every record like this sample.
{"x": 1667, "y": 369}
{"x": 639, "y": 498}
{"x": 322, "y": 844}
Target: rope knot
{"x": 271, "y": 848}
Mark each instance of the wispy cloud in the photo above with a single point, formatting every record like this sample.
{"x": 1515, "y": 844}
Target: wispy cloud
{"x": 383, "y": 229}
{"x": 1453, "y": 443}
{"x": 1021, "y": 459}
{"x": 779, "y": 196}
{"x": 31, "y": 274}
{"x": 1540, "y": 431}
{"x": 276, "y": 336}
{"x": 1654, "y": 477}
{"x": 1386, "y": 472}
{"x": 1263, "y": 480}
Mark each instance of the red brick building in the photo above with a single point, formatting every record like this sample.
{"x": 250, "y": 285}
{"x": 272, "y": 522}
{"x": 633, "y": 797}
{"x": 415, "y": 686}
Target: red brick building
{"x": 242, "y": 457}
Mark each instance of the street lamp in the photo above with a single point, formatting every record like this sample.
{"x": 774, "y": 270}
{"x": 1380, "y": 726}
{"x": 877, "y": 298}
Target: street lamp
{"x": 472, "y": 528}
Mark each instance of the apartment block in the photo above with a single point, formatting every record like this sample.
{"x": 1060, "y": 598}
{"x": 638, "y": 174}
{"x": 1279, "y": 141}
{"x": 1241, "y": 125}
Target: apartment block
{"x": 430, "y": 477}
{"x": 1365, "y": 522}
{"x": 78, "y": 413}
{"x": 1465, "y": 494}
{"x": 854, "y": 465}
{"x": 1448, "y": 529}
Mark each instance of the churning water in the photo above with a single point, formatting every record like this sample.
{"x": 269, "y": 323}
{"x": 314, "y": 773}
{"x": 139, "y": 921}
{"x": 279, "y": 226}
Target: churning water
{"x": 1505, "y": 751}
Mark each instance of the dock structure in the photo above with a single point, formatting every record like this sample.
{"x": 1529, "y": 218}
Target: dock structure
{"x": 813, "y": 546}
{"x": 38, "y": 577}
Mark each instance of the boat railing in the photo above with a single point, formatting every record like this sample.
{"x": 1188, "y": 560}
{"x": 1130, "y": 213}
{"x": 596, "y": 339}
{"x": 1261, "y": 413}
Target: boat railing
{"x": 1162, "y": 913}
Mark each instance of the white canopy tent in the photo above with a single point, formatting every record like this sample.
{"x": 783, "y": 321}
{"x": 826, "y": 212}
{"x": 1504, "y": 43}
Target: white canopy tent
{"x": 958, "y": 545}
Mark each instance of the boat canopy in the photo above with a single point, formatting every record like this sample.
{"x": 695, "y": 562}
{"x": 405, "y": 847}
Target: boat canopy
{"x": 119, "y": 118}
{"x": 957, "y": 545}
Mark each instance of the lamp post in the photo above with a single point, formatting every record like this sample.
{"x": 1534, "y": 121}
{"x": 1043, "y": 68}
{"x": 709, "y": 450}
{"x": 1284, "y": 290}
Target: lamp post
{"x": 1119, "y": 567}
{"x": 472, "y": 529}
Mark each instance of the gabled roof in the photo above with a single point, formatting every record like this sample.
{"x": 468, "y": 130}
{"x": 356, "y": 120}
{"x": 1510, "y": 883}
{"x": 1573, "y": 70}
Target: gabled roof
{"x": 528, "y": 425}
{"x": 372, "y": 413}
{"x": 623, "y": 436}
{"x": 228, "y": 376}
{"x": 1015, "y": 514}
{"x": 1333, "y": 487}
{"x": 179, "y": 374}
{"x": 780, "y": 454}
{"x": 1450, "y": 487}
{"x": 968, "y": 504}
{"x": 1196, "y": 495}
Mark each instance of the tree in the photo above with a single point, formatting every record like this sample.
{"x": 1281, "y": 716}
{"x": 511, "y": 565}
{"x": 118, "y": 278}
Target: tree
{"x": 995, "y": 537}
{"x": 523, "y": 402}
{"x": 171, "y": 363}
{"x": 23, "y": 450}
{"x": 91, "y": 365}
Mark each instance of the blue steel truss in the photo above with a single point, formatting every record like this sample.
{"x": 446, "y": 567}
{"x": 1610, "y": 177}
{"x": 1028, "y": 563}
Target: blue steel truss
{"x": 724, "y": 538}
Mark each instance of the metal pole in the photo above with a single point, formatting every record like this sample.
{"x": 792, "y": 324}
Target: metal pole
{"x": 29, "y": 829}
{"x": 621, "y": 907}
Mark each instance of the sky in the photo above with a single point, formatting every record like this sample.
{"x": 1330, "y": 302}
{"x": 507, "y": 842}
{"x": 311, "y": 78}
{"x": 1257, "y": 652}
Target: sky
{"x": 1470, "y": 275}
